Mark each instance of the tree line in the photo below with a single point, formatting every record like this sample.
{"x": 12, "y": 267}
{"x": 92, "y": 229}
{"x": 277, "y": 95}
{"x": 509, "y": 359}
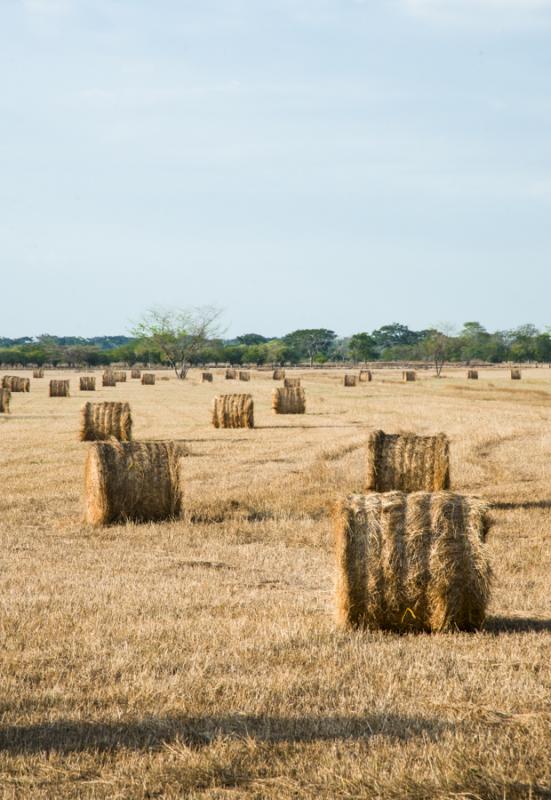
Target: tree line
{"x": 187, "y": 338}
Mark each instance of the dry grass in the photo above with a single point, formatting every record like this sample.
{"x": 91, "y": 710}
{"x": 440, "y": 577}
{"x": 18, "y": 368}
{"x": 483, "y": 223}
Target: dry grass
{"x": 199, "y": 658}
{"x": 407, "y": 462}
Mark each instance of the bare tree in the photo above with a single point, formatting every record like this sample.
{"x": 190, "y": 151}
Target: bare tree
{"x": 179, "y": 334}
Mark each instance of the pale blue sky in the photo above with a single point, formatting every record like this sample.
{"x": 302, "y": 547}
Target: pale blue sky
{"x": 338, "y": 163}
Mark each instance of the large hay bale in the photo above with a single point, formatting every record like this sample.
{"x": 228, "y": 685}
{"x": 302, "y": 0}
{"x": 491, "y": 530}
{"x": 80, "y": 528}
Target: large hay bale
{"x": 87, "y": 384}
{"x": 136, "y": 373}
{"x": 291, "y": 383}
{"x": 206, "y": 377}
{"x": 233, "y": 411}
{"x": 289, "y": 401}
{"x": 412, "y": 562}
{"x": 5, "y": 396}
{"x": 100, "y": 421}
{"x": 516, "y": 374}
{"x": 472, "y": 374}
{"x": 350, "y": 380}
{"x": 406, "y": 462}
{"x": 365, "y": 375}
{"x": 38, "y": 373}
{"x": 138, "y": 481}
{"x": 278, "y": 374}
{"x": 120, "y": 376}
{"x": 244, "y": 376}
{"x": 59, "y": 388}
{"x": 108, "y": 379}
{"x": 16, "y": 384}
{"x": 409, "y": 375}
{"x": 231, "y": 374}
{"x": 148, "y": 379}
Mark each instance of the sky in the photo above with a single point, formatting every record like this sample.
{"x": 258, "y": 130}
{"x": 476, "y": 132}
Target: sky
{"x": 298, "y": 163}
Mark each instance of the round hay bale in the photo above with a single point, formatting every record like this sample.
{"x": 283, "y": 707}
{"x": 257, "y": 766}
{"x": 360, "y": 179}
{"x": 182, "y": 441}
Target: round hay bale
{"x": 233, "y": 411}
{"x": 108, "y": 379}
{"x": 406, "y": 462}
{"x": 38, "y": 373}
{"x": 516, "y": 374}
{"x": 101, "y": 421}
{"x": 120, "y": 376}
{"x": 289, "y": 401}
{"x": 350, "y": 380}
{"x": 409, "y": 375}
{"x": 206, "y": 377}
{"x": 231, "y": 374}
{"x": 136, "y": 373}
{"x": 244, "y": 376}
{"x": 278, "y": 374}
{"x": 87, "y": 384}
{"x": 5, "y": 396}
{"x": 148, "y": 379}
{"x": 472, "y": 374}
{"x": 132, "y": 481}
{"x": 59, "y": 388}
{"x": 412, "y": 562}
{"x": 365, "y": 375}
{"x": 291, "y": 383}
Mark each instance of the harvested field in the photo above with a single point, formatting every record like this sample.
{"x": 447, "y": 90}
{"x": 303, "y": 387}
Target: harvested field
{"x": 200, "y": 657}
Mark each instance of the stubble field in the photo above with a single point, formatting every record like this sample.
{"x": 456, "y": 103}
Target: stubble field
{"x": 200, "y": 658}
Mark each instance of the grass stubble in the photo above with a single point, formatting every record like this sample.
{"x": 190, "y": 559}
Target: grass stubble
{"x": 200, "y": 658}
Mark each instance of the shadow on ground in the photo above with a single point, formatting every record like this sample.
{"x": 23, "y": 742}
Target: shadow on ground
{"x": 67, "y": 736}
{"x": 517, "y": 625}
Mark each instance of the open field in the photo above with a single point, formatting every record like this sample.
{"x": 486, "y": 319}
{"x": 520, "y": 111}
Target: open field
{"x": 200, "y": 658}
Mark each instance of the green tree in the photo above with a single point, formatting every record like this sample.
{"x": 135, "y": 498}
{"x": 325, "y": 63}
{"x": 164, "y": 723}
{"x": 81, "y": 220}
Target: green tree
{"x": 362, "y": 347}
{"x": 310, "y": 342}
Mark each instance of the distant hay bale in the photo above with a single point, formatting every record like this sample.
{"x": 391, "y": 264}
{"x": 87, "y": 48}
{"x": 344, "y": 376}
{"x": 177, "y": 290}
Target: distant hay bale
{"x": 38, "y": 373}
{"x": 409, "y": 375}
{"x": 516, "y": 374}
{"x": 412, "y": 562}
{"x": 233, "y": 411}
{"x": 136, "y": 373}
{"x": 101, "y": 421}
{"x": 406, "y": 462}
{"x": 59, "y": 388}
{"x": 206, "y": 377}
{"x": 291, "y": 383}
{"x": 244, "y": 376}
{"x": 5, "y": 396}
{"x": 278, "y": 374}
{"x": 350, "y": 380}
{"x": 365, "y": 375}
{"x": 16, "y": 384}
{"x": 472, "y": 374}
{"x": 120, "y": 376}
{"x": 87, "y": 384}
{"x": 108, "y": 379}
{"x": 289, "y": 401}
{"x": 231, "y": 374}
{"x": 148, "y": 379}
{"x": 135, "y": 481}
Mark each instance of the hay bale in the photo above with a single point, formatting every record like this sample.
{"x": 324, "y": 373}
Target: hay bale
{"x": 244, "y": 376}
{"x": 472, "y": 374}
{"x": 148, "y": 379}
{"x": 206, "y": 377}
{"x": 136, "y": 373}
{"x": 412, "y": 562}
{"x": 291, "y": 383}
{"x": 409, "y": 375}
{"x": 289, "y": 401}
{"x": 516, "y": 374}
{"x": 101, "y": 421}
{"x": 59, "y": 388}
{"x": 5, "y": 396}
{"x": 108, "y": 379}
{"x": 87, "y": 384}
{"x": 231, "y": 374}
{"x": 406, "y": 462}
{"x": 16, "y": 384}
{"x": 233, "y": 411}
{"x": 138, "y": 481}
{"x": 350, "y": 380}
{"x": 278, "y": 374}
{"x": 120, "y": 376}
{"x": 365, "y": 375}
{"x": 38, "y": 373}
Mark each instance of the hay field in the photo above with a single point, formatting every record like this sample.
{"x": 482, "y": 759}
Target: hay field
{"x": 200, "y": 658}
